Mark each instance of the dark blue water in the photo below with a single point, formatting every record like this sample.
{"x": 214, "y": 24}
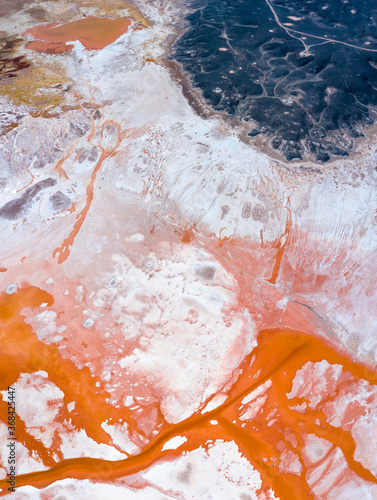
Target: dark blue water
{"x": 305, "y": 71}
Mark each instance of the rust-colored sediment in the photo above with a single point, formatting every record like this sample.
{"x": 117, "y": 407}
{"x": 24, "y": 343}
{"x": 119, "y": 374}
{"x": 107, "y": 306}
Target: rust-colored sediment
{"x": 278, "y": 356}
{"x": 94, "y": 33}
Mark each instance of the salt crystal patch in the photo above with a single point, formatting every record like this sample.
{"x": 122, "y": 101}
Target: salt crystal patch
{"x": 315, "y": 448}
{"x": 129, "y": 401}
{"x": 44, "y": 324}
{"x": 25, "y": 462}
{"x": 121, "y": 437}
{"x": 314, "y": 381}
{"x": 282, "y": 303}
{"x": 88, "y": 323}
{"x": 74, "y": 489}
{"x": 174, "y": 443}
{"x": 135, "y": 238}
{"x": 219, "y": 472}
{"x": 253, "y": 408}
{"x": 300, "y": 408}
{"x": 71, "y": 406}
{"x": 39, "y": 402}
{"x": 332, "y": 474}
{"x": 215, "y": 402}
{"x": 77, "y": 443}
{"x": 290, "y": 463}
{"x": 12, "y": 288}
{"x": 80, "y": 293}
{"x": 355, "y": 410}
{"x": 113, "y": 282}
{"x": 193, "y": 311}
{"x": 257, "y": 392}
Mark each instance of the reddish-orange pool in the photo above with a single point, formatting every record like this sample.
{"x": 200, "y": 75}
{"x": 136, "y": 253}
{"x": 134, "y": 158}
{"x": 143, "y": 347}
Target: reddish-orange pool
{"x": 94, "y": 33}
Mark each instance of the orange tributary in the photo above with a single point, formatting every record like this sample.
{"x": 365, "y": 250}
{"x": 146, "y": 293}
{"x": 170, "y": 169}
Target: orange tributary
{"x": 93, "y": 32}
{"x": 278, "y": 356}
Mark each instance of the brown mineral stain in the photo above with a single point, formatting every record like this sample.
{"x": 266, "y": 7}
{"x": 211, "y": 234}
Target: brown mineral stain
{"x": 94, "y": 33}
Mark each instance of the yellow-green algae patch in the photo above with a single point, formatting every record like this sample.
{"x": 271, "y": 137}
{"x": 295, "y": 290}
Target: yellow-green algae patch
{"x": 38, "y": 87}
{"x": 27, "y": 81}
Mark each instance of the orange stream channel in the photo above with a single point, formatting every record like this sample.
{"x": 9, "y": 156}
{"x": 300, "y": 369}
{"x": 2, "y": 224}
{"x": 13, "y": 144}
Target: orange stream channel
{"x": 93, "y": 32}
{"x": 63, "y": 250}
{"x": 278, "y": 356}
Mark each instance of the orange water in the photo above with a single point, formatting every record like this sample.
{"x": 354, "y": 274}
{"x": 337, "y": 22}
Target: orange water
{"x": 280, "y": 353}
